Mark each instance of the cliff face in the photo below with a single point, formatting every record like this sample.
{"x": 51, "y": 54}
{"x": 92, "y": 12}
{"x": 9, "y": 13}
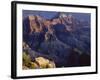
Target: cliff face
{"x": 61, "y": 39}
{"x": 37, "y": 23}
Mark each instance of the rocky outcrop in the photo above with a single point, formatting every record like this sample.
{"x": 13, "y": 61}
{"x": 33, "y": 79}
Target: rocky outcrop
{"x": 45, "y": 63}
{"x": 35, "y": 25}
{"x": 38, "y": 23}
{"x": 33, "y": 60}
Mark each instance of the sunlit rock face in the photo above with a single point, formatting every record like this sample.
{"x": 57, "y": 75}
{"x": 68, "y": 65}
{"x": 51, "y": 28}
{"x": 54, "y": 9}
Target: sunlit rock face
{"x": 56, "y": 21}
{"x": 35, "y": 25}
{"x": 45, "y": 63}
{"x": 68, "y": 21}
{"x": 38, "y": 23}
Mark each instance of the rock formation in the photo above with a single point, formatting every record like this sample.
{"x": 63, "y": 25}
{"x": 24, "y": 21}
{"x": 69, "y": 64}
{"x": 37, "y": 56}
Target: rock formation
{"x": 55, "y": 42}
